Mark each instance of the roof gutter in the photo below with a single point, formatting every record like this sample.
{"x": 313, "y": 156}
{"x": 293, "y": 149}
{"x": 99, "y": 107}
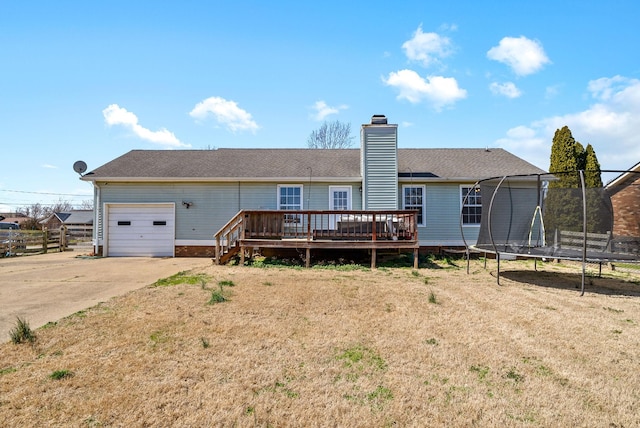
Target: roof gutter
{"x": 219, "y": 179}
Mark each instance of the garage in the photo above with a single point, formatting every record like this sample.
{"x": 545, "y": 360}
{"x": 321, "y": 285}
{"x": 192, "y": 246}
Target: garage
{"x": 143, "y": 230}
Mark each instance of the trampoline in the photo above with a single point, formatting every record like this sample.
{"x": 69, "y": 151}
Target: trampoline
{"x": 563, "y": 216}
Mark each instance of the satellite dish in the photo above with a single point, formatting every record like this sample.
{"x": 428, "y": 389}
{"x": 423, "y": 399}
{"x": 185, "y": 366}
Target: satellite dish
{"x": 80, "y": 167}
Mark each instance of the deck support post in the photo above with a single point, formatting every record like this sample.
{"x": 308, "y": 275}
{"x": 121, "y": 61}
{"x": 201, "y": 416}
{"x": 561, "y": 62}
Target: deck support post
{"x": 307, "y": 261}
{"x": 241, "y": 256}
{"x": 373, "y": 258}
{"x": 416, "y": 261}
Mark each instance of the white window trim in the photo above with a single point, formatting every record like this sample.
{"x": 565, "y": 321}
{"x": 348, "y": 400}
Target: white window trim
{"x": 424, "y": 201}
{"x": 292, "y": 218}
{"x": 349, "y": 195}
{"x": 460, "y": 198}
{"x": 291, "y": 185}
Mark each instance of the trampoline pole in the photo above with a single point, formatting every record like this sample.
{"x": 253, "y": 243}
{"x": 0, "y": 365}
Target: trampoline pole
{"x": 493, "y": 243}
{"x": 584, "y": 230}
{"x": 466, "y": 253}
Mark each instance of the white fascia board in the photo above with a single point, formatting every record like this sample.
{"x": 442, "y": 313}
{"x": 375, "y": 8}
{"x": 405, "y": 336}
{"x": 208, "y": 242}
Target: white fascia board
{"x": 623, "y": 176}
{"x": 222, "y": 179}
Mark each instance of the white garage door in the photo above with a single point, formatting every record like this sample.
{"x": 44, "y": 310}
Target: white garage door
{"x": 141, "y": 230}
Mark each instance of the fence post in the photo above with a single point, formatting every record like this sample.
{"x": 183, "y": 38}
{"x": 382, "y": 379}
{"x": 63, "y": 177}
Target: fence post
{"x": 63, "y": 238}
{"x": 45, "y": 240}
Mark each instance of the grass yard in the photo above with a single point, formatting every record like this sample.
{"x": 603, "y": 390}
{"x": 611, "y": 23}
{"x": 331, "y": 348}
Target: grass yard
{"x": 282, "y": 346}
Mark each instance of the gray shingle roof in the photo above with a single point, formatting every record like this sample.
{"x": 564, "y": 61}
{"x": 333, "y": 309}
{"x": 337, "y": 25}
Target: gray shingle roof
{"x": 464, "y": 163}
{"x": 246, "y": 164}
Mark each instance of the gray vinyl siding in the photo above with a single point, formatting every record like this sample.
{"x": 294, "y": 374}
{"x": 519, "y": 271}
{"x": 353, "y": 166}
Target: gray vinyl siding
{"x": 213, "y": 205}
{"x": 380, "y": 167}
{"x": 442, "y": 215}
{"x": 216, "y": 203}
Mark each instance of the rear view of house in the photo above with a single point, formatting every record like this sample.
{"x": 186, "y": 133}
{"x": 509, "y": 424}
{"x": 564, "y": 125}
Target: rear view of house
{"x": 173, "y": 202}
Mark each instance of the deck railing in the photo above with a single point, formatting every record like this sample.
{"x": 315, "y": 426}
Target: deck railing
{"x": 316, "y": 225}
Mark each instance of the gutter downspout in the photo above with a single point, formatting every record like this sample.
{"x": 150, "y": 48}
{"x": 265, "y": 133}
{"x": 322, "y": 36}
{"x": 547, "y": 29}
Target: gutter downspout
{"x": 96, "y": 210}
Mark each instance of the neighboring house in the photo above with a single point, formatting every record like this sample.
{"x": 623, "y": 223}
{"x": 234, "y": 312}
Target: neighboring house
{"x": 74, "y": 219}
{"x": 16, "y": 218}
{"x": 172, "y": 202}
{"x": 79, "y": 223}
{"x": 624, "y": 191}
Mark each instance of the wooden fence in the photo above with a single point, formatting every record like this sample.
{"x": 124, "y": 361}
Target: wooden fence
{"x": 21, "y": 242}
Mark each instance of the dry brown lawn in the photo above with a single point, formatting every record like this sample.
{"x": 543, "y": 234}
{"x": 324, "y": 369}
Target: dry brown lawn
{"x": 330, "y": 347}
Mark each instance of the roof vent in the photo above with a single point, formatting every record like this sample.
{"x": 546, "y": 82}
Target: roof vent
{"x": 378, "y": 119}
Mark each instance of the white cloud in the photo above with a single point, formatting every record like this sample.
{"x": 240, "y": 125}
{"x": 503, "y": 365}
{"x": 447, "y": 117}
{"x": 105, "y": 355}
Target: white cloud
{"x": 226, "y": 113}
{"x": 437, "y": 90}
{"x": 49, "y": 166}
{"x": 529, "y": 143}
{"x": 616, "y": 88}
{"x": 114, "y": 115}
{"x": 323, "y": 110}
{"x": 427, "y": 48}
{"x": 524, "y": 56}
{"x": 611, "y": 125}
{"x": 507, "y": 89}
{"x": 406, "y": 124}
{"x": 551, "y": 92}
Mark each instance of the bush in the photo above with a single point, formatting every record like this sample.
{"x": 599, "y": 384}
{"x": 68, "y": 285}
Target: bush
{"x": 22, "y": 333}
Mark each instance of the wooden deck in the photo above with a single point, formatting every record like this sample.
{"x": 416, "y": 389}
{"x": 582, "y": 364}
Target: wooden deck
{"x": 308, "y": 230}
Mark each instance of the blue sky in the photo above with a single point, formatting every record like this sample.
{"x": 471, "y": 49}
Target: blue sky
{"x": 92, "y": 80}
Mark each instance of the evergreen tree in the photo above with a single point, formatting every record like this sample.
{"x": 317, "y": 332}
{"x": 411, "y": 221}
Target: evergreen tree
{"x": 564, "y": 157}
{"x": 591, "y": 167}
{"x": 563, "y": 203}
{"x": 599, "y": 208}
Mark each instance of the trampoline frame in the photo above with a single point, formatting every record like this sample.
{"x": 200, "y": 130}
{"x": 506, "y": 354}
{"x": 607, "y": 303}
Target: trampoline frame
{"x": 582, "y": 255}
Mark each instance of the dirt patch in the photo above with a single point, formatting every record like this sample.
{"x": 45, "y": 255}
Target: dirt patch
{"x": 329, "y": 347}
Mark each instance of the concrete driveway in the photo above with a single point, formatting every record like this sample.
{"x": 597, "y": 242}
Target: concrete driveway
{"x": 48, "y": 287}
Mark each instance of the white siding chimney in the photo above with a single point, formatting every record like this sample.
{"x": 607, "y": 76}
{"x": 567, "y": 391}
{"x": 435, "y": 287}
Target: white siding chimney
{"x": 379, "y": 164}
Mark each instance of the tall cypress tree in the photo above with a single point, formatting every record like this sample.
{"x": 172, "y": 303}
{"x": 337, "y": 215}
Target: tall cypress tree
{"x": 599, "y": 208}
{"x": 563, "y": 204}
{"x": 592, "y": 175}
{"x": 564, "y": 158}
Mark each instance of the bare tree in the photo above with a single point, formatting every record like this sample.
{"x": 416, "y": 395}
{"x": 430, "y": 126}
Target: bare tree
{"x": 87, "y": 204}
{"x": 34, "y": 213}
{"x": 37, "y": 212}
{"x": 331, "y": 135}
{"x": 61, "y": 206}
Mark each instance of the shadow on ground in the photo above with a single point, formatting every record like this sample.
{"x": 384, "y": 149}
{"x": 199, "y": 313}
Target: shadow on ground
{"x": 572, "y": 281}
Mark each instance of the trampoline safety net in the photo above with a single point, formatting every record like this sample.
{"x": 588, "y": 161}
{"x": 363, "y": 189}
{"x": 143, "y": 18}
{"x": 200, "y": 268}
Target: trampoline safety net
{"x": 562, "y": 216}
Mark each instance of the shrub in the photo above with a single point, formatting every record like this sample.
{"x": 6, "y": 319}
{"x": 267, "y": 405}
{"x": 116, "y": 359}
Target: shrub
{"x": 22, "y": 333}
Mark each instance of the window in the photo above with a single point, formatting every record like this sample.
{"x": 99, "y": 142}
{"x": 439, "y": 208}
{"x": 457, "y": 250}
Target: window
{"x": 413, "y": 198}
{"x": 471, "y": 202}
{"x": 290, "y": 198}
{"x": 124, "y": 223}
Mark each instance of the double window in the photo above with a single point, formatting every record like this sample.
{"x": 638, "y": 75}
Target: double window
{"x": 471, "y": 202}
{"x": 413, "y": 198}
